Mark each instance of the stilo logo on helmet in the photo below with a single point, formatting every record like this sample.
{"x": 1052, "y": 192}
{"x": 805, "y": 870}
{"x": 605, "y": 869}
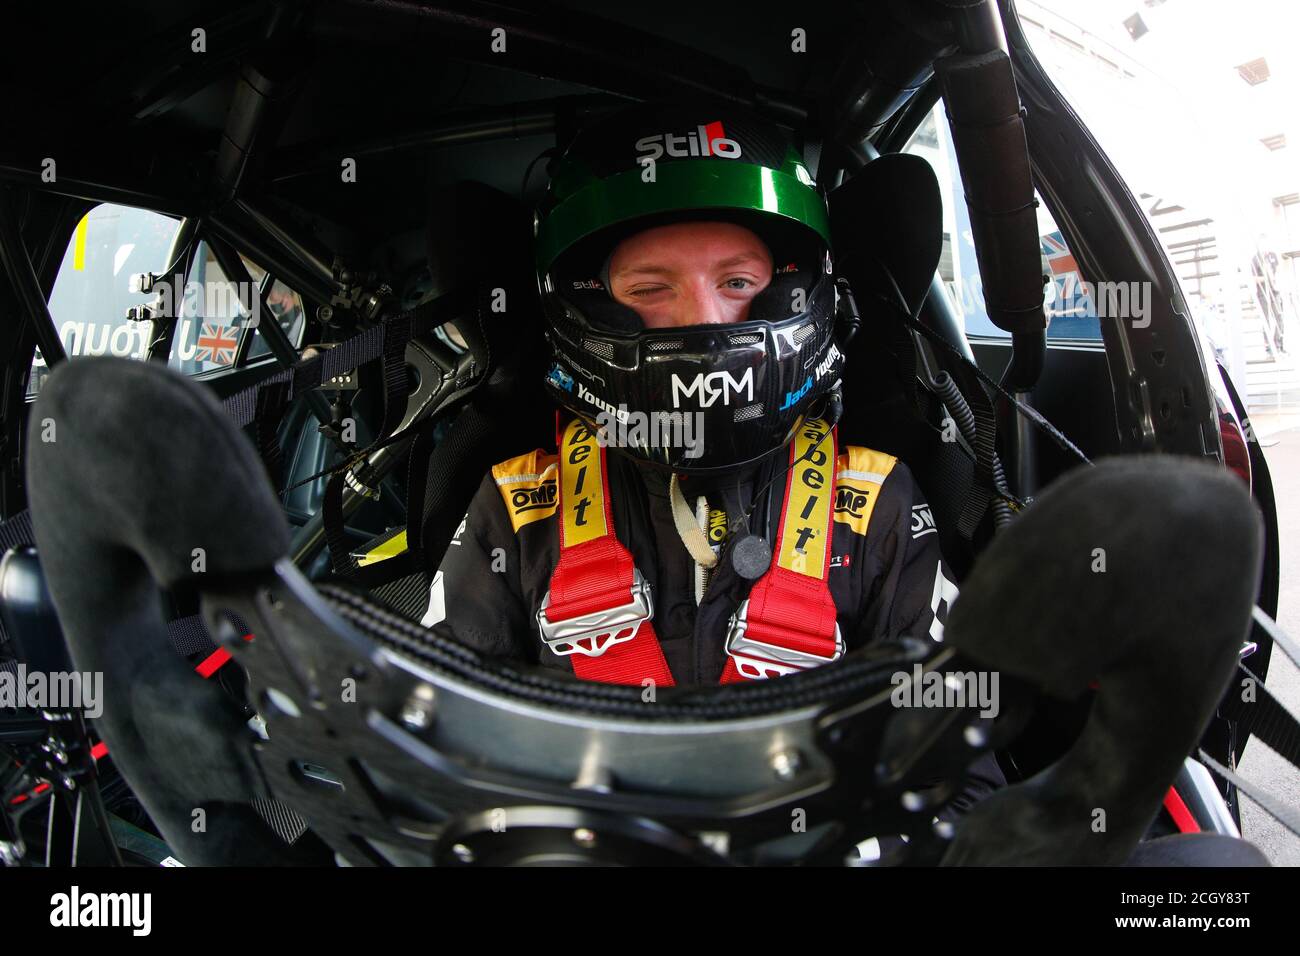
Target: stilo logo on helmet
{"x": 709, "y": 139}
{"x": 747, "y": 384}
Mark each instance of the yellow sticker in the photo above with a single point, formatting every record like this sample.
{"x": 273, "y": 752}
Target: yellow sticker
{"x": 390, "y": 547}
{"x": 582, "y": 485}
{"x": 806, "y": 525}
{"x": 79, "y": 245}
{"x": 857, "y": 485}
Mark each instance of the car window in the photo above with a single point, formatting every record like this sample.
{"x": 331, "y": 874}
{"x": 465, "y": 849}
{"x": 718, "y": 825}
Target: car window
{"x": 213, "y": 320}
{"x": 1071, "y": 311}
{"x": 92, "y": 293}
{"x": 1202, "y": 145}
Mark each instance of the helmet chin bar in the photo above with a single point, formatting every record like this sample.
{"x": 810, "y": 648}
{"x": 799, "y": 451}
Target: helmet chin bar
{"x": 436, "y": 757}
{"x": 737, "y": 389}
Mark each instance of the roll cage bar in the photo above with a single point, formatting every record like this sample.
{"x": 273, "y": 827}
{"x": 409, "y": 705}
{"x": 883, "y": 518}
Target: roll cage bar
{"x": 885, "y": 84}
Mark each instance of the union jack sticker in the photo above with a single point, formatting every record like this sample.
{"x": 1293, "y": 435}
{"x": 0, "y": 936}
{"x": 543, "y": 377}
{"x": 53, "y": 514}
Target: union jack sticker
{"x": 217, "y": 344}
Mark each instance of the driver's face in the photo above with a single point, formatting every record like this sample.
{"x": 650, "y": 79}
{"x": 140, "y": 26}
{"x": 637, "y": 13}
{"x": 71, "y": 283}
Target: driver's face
{"x": 690, "y": 273}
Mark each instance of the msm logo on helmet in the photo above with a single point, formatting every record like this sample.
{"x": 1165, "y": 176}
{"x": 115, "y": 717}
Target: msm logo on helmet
{"x": 707, "y": 388}
{"x": 707, "y": 140}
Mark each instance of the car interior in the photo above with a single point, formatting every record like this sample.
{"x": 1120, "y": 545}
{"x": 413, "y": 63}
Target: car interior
{"x": 381, "y": 161}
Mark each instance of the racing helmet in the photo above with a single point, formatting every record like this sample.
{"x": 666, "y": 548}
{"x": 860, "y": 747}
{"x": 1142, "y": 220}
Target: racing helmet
{"x": 734, "y": 392}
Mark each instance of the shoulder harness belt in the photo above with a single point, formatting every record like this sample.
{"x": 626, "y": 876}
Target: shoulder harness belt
{"x": 598, "y": 609}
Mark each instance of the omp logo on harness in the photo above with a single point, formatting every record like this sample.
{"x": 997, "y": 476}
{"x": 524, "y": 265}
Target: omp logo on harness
{"x": 705, "y": 140}
{"x": 857, "y": 485}
{"x": 528, "y": 487}
{"x": 707, "y": 388}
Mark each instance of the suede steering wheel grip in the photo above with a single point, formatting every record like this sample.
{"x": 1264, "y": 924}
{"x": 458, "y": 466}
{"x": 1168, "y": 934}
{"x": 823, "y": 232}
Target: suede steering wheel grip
{"x": 1137, "y": 578}
{"x": 130, "y": 469}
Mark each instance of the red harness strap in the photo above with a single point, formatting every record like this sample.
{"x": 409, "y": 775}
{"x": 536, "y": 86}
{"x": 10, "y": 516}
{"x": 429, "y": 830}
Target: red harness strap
{"x": 598, "y": 608}
{"x": 788, "y": 622}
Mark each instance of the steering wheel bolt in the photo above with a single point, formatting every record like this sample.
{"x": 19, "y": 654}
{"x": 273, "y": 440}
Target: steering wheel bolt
{"x": 787, "y": 764}
{"x": 417, "y": 712}
{"x": 463, "y": 853}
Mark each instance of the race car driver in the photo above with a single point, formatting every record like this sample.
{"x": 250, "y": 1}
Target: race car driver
{"x": 697, "y": 521}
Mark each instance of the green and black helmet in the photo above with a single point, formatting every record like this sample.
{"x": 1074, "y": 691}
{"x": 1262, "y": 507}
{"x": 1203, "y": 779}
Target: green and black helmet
{"x": 750, "y": 382}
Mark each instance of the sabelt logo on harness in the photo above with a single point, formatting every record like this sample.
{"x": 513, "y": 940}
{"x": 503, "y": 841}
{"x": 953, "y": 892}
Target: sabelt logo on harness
{"x": 811, "y": 482}
{"x": 708, "y": 388}
{"x": 706, "y": 140}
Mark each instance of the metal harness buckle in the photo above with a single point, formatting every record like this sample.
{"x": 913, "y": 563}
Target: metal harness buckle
{"x": 600, "y": 629}
{"x": 758, "y": 660}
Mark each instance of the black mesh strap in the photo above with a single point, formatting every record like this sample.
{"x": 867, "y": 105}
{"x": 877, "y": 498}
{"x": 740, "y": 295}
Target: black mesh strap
{"x": 242, "y": 407}
{"x": 366, "y": 346}
{"x": 16, "y": 532}
{"x": 397, "y": 336}
{"x": 336, "y": 538}
{"x": 288, "y": 826}
{"x": 189, "y": 636}
{"x": 417, "y": 478}
{"x": 1266, "y": 718}
{"x": 381, "y": 340}
{"x": 407, "y": 595}
{"x": 271, "y": 402}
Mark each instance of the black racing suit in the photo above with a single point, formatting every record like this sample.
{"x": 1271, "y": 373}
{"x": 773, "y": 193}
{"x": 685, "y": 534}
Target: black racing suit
{"x": 887, "y": 577}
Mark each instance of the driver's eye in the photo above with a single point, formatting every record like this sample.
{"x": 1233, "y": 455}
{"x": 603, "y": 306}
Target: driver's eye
{"x": 739, "y": 282}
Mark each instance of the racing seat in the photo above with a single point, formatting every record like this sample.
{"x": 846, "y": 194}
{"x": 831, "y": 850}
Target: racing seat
{"x": 887, "y": 228}
{"x": 398, "y": 746}
{"x": 480, "y": 237}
